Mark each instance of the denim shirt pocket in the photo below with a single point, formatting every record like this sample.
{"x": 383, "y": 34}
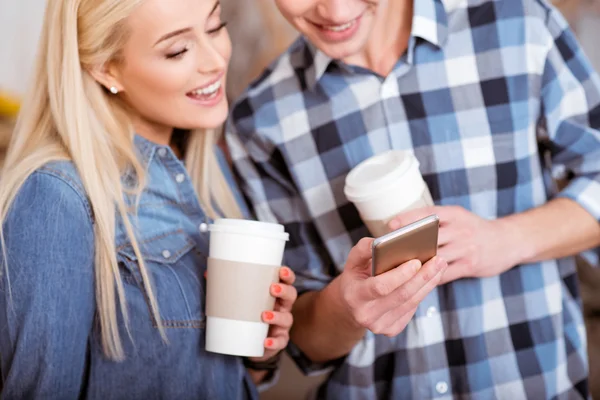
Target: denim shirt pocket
{"x": 175, "y": 268}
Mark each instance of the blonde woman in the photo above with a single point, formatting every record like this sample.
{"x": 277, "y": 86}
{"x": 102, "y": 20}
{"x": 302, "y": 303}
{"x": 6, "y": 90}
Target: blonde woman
{"x": 110, "y": 181}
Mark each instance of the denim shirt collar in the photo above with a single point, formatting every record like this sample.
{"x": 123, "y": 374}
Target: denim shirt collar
{"x": 145, "y": 148}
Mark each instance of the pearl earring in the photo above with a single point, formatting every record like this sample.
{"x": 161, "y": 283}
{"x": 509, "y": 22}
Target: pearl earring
{"x": 114, "y": 90}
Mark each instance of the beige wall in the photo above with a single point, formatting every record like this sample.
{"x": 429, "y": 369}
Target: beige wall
{"x": 259, "y": 34}
{"x": 20, "y": 25}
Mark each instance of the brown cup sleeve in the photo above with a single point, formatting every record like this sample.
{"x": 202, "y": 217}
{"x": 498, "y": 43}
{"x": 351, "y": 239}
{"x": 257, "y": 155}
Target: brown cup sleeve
{"x": 239, "y": 291}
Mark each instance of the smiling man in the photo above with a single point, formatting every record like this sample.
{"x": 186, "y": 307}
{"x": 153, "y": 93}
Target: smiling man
{"x": 470, "y": 87}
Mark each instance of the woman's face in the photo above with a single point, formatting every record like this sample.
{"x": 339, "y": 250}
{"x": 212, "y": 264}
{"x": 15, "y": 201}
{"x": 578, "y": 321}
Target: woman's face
{"x": 173, "y": 67}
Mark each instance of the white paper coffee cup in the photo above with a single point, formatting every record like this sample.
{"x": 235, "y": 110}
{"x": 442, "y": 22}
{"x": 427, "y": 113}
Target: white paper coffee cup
{"x": 244, "y": 260}
{"x": 384, "y": 186}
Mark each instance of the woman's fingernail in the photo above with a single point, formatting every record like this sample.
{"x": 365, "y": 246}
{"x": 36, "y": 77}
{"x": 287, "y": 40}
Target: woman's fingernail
{"x": 269, "y": 316}
{"x": 269, "y": 343}
{"x": 276, "y": 289}
{"x": 285, "y": 272}
{"x": 205, "y": 274}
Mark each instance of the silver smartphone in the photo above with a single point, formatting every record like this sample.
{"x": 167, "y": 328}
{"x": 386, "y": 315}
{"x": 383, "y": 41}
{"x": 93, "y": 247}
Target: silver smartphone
{"x": 418, "y": 240}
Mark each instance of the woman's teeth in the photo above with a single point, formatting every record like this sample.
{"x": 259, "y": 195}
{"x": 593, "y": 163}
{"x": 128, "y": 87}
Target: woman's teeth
{"x": 208, "y": 91}
{"x": 340, "y": 28}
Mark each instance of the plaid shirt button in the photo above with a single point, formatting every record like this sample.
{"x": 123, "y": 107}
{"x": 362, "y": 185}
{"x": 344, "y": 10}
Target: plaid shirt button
{"x": 441, "y": 387}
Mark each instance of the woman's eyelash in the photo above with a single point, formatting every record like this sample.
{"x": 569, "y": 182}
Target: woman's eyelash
{"x": 210, "y": 32}
{"x": 177, "y": 54}
{"x": 218, "y": 28}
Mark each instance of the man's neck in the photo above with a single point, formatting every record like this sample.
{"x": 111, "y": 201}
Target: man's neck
{"x": 389, "y": 38}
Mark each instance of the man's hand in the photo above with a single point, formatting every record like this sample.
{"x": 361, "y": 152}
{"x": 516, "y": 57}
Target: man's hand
{"x": 384, "y": 304}
{"x": 473, "y": 247}
{"x": 330, "y": 322}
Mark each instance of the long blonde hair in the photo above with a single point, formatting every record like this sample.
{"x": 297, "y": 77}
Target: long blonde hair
{"x": 67, "y": 115}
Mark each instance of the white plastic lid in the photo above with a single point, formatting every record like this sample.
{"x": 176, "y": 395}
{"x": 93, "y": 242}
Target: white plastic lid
{"x": 248, "y": 227}
{"x": 374, "y": 176}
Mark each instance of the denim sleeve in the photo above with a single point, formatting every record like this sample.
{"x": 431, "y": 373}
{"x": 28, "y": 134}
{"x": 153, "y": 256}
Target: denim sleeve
{"x": 571, "y": 105}
{"x": 47, "y": 297}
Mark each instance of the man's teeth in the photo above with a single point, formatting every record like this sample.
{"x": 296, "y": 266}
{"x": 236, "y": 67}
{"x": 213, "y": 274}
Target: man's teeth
{"x": 208, "y": 90}
{"x": 340, "y": 28}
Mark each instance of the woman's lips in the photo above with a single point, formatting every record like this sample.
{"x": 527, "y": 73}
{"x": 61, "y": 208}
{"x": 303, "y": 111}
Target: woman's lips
{"x": 208, "y": 95}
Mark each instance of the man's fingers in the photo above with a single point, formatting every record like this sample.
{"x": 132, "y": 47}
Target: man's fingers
{"x": 386, "y": 283}
{"x": 446, "y": 214}
{"x": 411, "y": 216}
{"x": 427, "y": 278}
{"x": 452, "y": 252}
{"x": 400, "y": 323}
{"x": 445, "y": 235}
{"x": 393, "y": 322}
{"x": 406, "y": 300}
{"x": 454, "y": 272}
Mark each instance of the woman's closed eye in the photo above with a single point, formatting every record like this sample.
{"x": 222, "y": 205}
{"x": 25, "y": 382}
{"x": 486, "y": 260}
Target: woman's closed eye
{"x": 177, "y": 54}
{"x": 217, "y": 29}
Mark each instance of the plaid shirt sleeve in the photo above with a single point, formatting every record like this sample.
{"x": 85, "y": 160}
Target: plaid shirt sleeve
{"x": 571, "y": 104}
{"x": 265, "y": 181}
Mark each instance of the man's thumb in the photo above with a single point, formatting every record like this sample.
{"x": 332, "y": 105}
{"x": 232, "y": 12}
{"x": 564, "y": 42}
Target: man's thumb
{"x": 360, "y": 256}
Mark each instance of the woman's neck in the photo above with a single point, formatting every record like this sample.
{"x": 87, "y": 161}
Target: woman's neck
{"x": 155, "y": 133}
{"x": 162, "y": 137}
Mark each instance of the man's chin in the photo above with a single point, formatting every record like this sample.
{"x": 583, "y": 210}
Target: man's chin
{"x": 340, "y": 51}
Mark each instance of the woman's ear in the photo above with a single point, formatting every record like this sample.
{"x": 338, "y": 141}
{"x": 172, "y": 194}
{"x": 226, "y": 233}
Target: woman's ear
{"x": 107, "y": 75}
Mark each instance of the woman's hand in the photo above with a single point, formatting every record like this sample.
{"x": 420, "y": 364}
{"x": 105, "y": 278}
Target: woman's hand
{"x": 281, "y": 318}
{"x": 280, "y": 321}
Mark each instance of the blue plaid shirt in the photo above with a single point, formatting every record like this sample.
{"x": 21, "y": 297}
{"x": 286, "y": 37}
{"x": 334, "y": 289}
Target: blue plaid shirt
{"x": 482, "y": 82}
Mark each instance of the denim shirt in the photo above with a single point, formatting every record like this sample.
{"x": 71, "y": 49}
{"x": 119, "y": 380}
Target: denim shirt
{"x": 50, "y": 344}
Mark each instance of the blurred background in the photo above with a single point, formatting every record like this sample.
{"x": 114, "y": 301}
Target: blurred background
{"x": 259, "y": 34}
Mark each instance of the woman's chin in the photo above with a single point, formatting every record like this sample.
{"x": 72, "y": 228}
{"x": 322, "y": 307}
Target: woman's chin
{"x": 213, "y": 120}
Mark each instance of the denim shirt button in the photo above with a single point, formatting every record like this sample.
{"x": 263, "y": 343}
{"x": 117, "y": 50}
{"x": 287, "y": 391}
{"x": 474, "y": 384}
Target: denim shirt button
{"x": 180, "y": 178}
{"x": 162, "y": 152}
{"x": 166, "y": 253}
{"x": 203, "y": 227}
